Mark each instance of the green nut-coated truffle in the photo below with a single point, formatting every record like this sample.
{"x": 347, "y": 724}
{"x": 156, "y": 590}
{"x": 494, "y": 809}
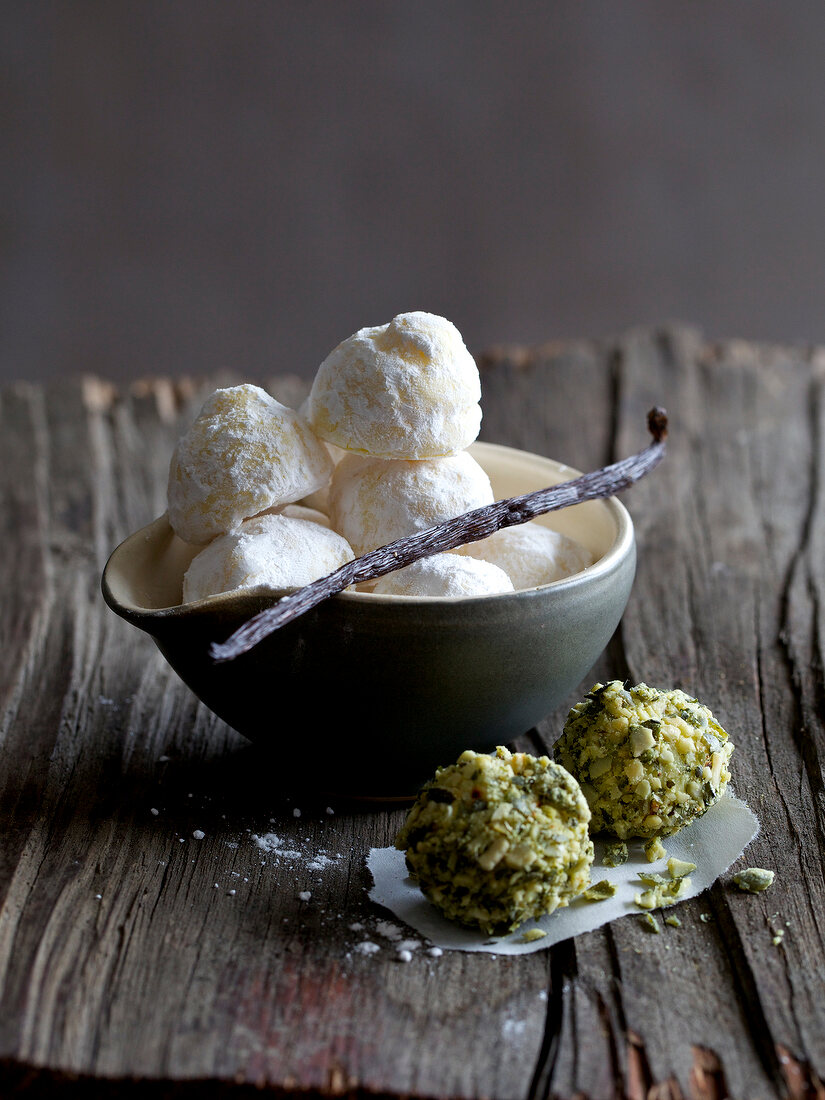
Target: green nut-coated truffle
{"x": 495, "y": 840}
{"x": 649, "y": 762}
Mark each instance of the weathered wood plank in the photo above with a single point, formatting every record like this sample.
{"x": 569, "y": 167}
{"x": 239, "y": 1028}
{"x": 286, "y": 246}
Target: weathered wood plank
{"x": 167, "y": 978}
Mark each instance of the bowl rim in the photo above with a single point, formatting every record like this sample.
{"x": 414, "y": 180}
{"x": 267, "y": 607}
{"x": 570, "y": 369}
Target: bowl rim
{"x": 622, "y": 544}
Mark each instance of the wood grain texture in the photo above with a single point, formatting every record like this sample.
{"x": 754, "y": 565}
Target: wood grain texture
{"x": 168, "y": 985}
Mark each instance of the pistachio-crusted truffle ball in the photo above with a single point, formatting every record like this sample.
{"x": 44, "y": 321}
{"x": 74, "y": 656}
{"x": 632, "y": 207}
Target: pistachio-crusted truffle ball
{"x": 495, "y": 840}
{"x": 649, "y": 761}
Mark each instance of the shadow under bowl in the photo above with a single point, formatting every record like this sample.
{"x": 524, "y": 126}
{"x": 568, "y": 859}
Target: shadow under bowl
{"x": 365, "y": 695}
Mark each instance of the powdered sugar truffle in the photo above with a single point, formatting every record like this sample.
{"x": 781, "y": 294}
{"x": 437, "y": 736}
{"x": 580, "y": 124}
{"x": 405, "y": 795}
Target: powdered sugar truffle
{"x": 276, "y": 551}
{"x": 531, "y": 554}
{"x": 408, "y": 389}
{"x": 445, "y": 575}
{"x": 374, "y": 501}
{"x": 245, "y": 453}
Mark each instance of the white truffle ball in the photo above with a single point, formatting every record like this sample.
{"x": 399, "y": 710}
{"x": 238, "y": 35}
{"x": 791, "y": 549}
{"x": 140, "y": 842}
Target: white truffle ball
{"x": 409, "y": 389}
{"x": 245, "y": 453}
{"x": 277, "y": 551}
{"x": 530, "y": 554}
{"x": 445, "y": 575}
{"x": 299, "y": 511}
{"x": 373, "y": 501}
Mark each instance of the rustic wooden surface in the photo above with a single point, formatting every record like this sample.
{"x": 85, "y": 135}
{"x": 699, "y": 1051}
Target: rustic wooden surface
{"x": 126, "y": 971}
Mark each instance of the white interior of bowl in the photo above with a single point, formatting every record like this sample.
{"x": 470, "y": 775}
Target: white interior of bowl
{"x": 146, "y": 571}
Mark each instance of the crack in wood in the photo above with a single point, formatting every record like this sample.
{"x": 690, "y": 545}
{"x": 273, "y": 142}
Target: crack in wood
{"x": 707, "y": 1077}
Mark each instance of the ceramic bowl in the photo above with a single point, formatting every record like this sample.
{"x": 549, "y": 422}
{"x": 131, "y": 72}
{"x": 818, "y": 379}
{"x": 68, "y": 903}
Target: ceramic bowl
{"x": 366, "y": 695}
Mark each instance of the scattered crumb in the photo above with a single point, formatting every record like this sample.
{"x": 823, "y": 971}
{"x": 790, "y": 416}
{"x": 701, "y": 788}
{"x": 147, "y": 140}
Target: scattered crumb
{"x": 98, "y": 897}
{"x": 706, "y": 918}
{"x": 304, "y": 895}
{"x": 652, "y": 878}
{"x": 356, "y": 926}
{"x": 215, "y": 886}
{"x": 330, "y": 810}
{"x": 673, "y": 921}
{"x": 319, "y": 862}
{"x": 154, "y": 812}
{"x": 753, "y": 879}
{"x": 650, "y": 923}
{"x": 296, "y": 812}
{"x": 777, "y": 939}
{"x": 198, "y": 834}
{"x": 404, "y": 956}
{"x": 599, "y": 891}
{"x": 654, "y": 849}
{"x": 615, "y": 854}
{"x": 662, "y": 894}
{"x": 367, "y": 947}
{"x": 388, "y": 930}
{"x": 231, "y": 893}
{"x": 269, "y": 842}
{"x": 678, "y": 868}
{"x": 434, "y": 952}
{"x": 164, "y": 759}
{"x": 532, "y": 934}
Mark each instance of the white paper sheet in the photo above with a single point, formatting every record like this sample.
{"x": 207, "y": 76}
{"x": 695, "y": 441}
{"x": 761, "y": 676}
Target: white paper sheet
{"x": 713, "y": 843}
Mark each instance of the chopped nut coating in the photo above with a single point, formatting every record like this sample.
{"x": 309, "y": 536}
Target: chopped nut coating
{"x": 497, "y": 839}
{"x": 649, "y": 761}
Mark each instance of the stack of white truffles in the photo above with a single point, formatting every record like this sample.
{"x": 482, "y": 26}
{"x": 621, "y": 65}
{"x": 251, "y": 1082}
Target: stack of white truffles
{"x": 377, "y": 452}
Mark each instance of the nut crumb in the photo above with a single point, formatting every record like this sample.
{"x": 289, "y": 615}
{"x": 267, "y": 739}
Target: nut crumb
{"x": 753, "y": 880}
{"x": 654, "y": 849}
{"x": 532, "y": 934}
{"x": 599, "y": 891}
{"x": 615, "y": 854}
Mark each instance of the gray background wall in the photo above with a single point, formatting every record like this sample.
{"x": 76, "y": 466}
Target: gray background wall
{"x": 189, "y": 187}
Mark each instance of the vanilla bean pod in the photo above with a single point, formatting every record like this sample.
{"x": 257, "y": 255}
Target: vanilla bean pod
{"x": 469, "y": 527}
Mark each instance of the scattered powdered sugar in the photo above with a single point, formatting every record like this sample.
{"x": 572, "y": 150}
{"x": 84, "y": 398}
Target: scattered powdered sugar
{"x": 198, "y": 834}
{"x": 434, "y": 952}
{"x": 319, "y": 862}
{"x": 356, "y": 926}
{"x": 273, "y": 845}
{"x": 404, "y": 956}
{"x": 269, "y": 842}
{"x": 388, "y": 930}
{"x": 366, "y": 947}
{"x": 513, "y": 1029}
{"x": 304, "y": 895}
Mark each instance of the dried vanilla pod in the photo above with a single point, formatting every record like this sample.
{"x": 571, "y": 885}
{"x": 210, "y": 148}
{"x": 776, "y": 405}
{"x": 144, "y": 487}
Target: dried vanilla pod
{"x": 470, "y": 527}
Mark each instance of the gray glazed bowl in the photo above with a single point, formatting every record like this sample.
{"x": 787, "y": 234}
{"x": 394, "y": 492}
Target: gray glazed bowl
{"x": 366, "y": 695}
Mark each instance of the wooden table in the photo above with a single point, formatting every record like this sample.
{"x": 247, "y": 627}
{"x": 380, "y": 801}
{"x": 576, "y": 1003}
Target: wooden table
{"x": 136, "y": 960}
